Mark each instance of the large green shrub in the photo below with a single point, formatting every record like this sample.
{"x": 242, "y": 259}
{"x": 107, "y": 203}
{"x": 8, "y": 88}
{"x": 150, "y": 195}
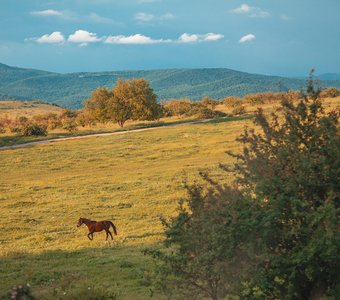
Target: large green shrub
{"x": 280, "y": 219}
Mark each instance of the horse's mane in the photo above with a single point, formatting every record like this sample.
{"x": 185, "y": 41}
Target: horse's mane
{"x": 87, "y": 220}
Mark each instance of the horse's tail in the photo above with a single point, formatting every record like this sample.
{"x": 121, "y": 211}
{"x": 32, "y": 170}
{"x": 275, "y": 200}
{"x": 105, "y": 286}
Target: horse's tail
{"x": 114, "y": 227}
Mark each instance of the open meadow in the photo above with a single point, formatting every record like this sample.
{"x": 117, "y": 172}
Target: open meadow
{"x": 131, "y": 179}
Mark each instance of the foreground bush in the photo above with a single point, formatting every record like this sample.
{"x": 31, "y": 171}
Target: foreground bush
{"x": 280, "y": 220}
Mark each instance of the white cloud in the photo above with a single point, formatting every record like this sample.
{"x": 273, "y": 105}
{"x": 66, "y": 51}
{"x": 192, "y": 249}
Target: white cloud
{"x": 83, "y": 37}
{"x": 251, "y": 11}
{"x": 142, "y": 17}
{"x": 247, "y": 38}
{"x": 133, "y": 39}
{"x": 243, "y": 9}
{"x": 213, "y": 37}
{"x": 46, "y": 13}
{"x": 194, "y": 38}
{"x": 188, "y": 38}
{"x": 53, "y": 38}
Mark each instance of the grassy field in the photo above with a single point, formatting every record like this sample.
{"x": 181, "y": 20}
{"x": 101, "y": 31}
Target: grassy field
{"x": 13, "y": 108}
{"x": 129, "y": 179}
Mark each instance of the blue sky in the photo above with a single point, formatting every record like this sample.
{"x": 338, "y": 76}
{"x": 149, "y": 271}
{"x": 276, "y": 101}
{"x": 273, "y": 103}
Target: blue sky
{"x": 279, "y": 37}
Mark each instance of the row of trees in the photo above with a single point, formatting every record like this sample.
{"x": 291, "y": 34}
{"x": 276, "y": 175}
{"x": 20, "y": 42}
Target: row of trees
{"x": 135, "y": 100}
{"x": 274, "y": 233}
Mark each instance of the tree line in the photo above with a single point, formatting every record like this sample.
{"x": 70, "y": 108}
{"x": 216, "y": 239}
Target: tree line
{"x": 135, "y": 100}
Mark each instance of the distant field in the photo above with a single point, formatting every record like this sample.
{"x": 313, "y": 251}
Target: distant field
{"x": 130, "y": 179}
{"x": 13, "y": 109}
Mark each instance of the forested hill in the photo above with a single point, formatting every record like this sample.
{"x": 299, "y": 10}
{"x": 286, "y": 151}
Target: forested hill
{"x": 70, "y": 90}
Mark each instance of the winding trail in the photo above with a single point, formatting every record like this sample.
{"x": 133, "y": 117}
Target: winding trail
{"x": 99, "y": 135}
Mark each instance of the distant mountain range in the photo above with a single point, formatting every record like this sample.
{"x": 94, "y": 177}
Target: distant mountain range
{"x": 70, "y": 90}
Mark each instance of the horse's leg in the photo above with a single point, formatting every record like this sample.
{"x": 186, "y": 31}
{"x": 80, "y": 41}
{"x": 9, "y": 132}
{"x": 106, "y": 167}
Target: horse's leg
{"x": 107, "y": 234}
{"x": 110, "y": 234}
{"x": 91, "y": 233}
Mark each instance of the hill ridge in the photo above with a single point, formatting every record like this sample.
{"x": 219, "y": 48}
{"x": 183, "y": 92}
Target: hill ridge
{"x": 71, "y": 89}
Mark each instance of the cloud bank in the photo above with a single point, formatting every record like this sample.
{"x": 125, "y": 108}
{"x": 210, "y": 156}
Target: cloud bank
{"x": 83, "y": 38}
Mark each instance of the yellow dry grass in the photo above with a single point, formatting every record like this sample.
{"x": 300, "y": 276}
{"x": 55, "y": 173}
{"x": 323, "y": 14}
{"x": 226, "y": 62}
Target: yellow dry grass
{"x": 130, "y": 179}
{"x": 13, "y": 109}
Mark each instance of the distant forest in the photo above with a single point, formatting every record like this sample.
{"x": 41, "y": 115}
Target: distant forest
{"x": 70, "y": 90}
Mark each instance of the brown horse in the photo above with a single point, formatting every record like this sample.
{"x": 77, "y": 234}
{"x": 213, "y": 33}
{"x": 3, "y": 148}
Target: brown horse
{"x": 94, "y": 226}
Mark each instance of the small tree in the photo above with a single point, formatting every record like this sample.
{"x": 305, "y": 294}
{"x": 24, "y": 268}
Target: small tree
{"x": 129, "y": 100}
{"x": 134, "y": 99}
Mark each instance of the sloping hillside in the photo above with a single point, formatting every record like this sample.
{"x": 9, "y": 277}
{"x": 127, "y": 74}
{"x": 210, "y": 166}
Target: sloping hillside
{"x": 72, "y": 89}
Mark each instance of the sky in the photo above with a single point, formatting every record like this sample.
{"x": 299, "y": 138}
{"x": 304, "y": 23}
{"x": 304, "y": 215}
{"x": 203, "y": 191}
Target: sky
{"x": 273, "y": 37}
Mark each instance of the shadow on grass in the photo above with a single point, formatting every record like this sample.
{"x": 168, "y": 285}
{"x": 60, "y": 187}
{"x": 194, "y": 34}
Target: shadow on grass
{"x": 112, "y": 270}
{"x": 229, "y": 119}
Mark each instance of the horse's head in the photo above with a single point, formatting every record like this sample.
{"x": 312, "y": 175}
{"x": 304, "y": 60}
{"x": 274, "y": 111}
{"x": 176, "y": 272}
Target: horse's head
{"x": 80, "y": 222}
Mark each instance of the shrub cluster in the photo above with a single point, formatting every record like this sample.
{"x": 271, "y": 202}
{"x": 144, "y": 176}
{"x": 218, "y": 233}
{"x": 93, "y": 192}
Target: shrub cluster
{"x": 232, "y": 101}
{"x": 330, "y": 93}
{"x": 203, "y": 109}
{"x": 39, "y": 125}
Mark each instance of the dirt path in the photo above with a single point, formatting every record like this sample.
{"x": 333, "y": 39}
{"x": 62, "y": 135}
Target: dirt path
{"x": 99, "y": 134}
